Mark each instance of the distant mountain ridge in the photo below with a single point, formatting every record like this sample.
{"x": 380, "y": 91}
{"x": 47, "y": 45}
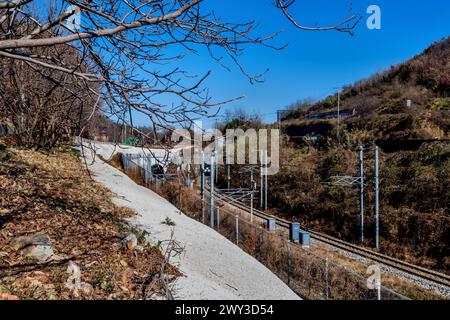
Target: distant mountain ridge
{"x": 380, "y": 102}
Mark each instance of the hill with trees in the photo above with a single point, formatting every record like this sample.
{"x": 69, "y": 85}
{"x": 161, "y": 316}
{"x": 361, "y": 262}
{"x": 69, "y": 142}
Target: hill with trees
{"x": 414, "y": 161}
{"x": 380, "y": 102}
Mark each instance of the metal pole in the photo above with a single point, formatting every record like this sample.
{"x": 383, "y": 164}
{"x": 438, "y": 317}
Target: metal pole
{"x": 218, "y": 218}
{"x": 229, "y": 175}
{"x": 266, "y": 184}
{"x": 211, "y": 193}
{"x": 289, "y": 262}
{"x": 378, "y": 285}
{"x": 377, "y": 199}
{"x": 326, "y": 278}
{"x": 202, "y": 182}
{"x": 202, "y": 173}
{"x": 203, "y": 212}
{"x": 261, "y": 240}
{"x": 361, "y": 191}
{"x": 217, "y": 171}
{"x": 237, "y": 230}
{"x": 251, "y": 195}
{"x": 338, "y": 116}
{"x": 261, "y": 179}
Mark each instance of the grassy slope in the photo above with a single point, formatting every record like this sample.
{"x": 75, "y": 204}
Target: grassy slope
{"x": 52, "y": 193}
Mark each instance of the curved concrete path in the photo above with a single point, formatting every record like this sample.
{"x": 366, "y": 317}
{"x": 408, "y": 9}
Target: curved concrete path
{"x": 214, "y": 268}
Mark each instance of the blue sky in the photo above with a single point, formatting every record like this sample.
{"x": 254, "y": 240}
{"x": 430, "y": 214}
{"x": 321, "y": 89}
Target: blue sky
{"x": 314, "y": 63}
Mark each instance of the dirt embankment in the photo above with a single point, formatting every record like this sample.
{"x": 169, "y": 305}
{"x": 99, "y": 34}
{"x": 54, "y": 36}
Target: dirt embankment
{"x": 52, "y": 194}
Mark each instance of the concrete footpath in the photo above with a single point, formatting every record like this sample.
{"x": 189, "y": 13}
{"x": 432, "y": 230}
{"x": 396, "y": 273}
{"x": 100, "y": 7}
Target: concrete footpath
{"x": 213, "y": 267}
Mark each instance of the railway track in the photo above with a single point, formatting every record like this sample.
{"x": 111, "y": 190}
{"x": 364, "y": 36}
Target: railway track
{"x": 420, "y": 272}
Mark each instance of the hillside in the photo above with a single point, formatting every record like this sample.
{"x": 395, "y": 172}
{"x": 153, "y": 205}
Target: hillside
{"x": 380, "y": 101}
{"x": 414, "y": 160}
{"x": 57, "y": 224}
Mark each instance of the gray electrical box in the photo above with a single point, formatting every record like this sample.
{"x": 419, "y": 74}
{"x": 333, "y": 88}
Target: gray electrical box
{"x": 305, "y": 238}
{"x": 271, "y": 223}
{"x": 294, "y": 231}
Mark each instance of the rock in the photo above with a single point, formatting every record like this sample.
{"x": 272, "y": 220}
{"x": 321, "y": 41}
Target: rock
{"x": 139, "y": 248}
{"x": 38, "y": 246}
{"x": 38, "y": 252}
{"x": 36, "y": 239}
{"x": 130, "y": 242}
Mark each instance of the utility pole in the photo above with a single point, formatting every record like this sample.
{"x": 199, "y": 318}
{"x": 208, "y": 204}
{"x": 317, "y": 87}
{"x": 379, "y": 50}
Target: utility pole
{"x": 202, "y": 179}
{"x": 217, "y": 168}
{"x": 251, "y": 195}
{"x": 261, "y": 178}
{"x": 266, "y": 171}
{"x": 338, "y": 112}
{"x": 202, "y": 183}
{"x": 351, "y": 181}
{"x": 229, "y": 175}
{"x": 377, "y": 199}
{"x": 338, "y": 115}
{"x": 361, "y": 191}
{"x": 211, "y": 193}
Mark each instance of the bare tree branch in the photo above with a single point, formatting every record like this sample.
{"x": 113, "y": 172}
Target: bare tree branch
{"x": 346, "y": 25}
{"x": 129, "y": 52}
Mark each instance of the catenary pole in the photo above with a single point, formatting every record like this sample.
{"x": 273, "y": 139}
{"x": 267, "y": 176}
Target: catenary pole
{"x": 251, "y": 195}
{"x": 377, "y": 199}
{"x": 361, "y": 191}
{"x": 229, "y": 175}
{"x": 266, "y": 171}
{"x": 261, "y": 179}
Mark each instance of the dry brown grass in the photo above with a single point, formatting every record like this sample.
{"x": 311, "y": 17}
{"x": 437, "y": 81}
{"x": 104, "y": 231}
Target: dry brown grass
{"x": 346, "y": 278}
{"x": 52, "y": 193}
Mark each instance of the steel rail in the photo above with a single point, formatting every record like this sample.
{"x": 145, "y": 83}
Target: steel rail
{"x": 417, "y": 271}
